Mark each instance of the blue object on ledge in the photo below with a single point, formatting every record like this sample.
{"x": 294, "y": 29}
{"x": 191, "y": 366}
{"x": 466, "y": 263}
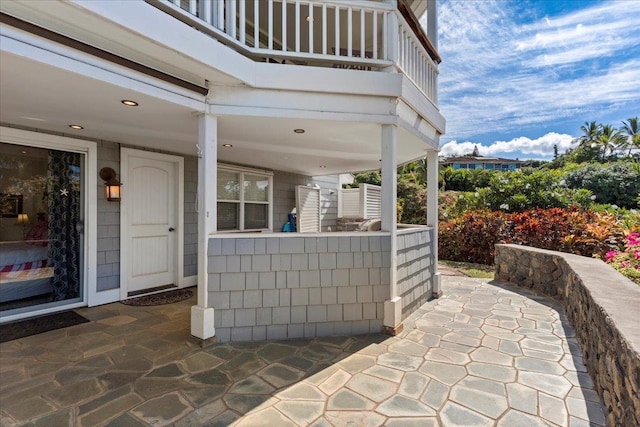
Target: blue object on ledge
{"x": 290, "y": 226}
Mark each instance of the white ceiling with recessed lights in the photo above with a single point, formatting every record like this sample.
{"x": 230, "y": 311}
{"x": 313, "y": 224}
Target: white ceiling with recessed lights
{"x": 40, "y": 96}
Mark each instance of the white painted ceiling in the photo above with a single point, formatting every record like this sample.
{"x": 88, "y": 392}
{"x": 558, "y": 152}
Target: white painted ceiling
{"x": 39, "y": 96}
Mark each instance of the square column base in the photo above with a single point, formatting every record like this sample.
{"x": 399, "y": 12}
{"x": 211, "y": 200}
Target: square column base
{"x": 202, "y": 343}
{"x": 202, "y": 322}
{"x": 392, "y": 322}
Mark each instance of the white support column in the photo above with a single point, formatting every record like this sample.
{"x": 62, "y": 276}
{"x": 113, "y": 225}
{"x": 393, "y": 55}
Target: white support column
{"x": 202, "y": 320}
{"x": 432, "y": 215}
{"x": 432, "y": 22}
{"x": 389, "y": 223}
{"x": 389, "y": 178}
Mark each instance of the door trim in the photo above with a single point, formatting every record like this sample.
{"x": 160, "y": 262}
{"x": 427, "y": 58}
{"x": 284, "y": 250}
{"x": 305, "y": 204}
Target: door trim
{"x": 125, "y": 155}
{"x": 90, "y": 292}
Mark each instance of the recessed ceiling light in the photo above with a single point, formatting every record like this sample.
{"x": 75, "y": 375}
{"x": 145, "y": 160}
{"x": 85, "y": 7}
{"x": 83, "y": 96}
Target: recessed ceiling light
{"x": 24, "y": 152}
{"x": 227, "y": 145}
{"x": 129, "y": 103}
{"x": 323, "y": 166}
{"x": 76, "y": 127}
{"x": 298, "y": 130}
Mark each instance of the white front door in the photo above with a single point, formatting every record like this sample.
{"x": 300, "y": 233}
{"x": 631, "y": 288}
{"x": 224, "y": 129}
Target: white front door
{"x": 149, "y": 218}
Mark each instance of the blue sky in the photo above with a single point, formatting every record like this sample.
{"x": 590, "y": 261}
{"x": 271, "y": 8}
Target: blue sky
{"x": 518, "y": 76}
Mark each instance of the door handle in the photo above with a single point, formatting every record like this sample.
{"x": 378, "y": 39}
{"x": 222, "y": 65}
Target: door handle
{"x": 171, "y": 229}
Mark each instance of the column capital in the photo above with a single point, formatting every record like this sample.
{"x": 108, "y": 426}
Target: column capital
{"x": 205, "y": 113}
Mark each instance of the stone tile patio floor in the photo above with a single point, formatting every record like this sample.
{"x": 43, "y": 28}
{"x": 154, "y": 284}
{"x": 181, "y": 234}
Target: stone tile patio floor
{"x": 484, "y": 354}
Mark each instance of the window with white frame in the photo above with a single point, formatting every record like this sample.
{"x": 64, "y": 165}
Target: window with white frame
{"x": 244, "y": 199}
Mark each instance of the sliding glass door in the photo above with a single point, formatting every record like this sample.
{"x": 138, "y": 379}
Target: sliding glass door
{"x": 41, "y": 228}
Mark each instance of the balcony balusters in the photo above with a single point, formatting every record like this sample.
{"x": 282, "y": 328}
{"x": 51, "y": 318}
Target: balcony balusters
{"x": 364, "y": 35}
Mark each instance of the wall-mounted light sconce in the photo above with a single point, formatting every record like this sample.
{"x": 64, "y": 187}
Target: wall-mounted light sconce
{"x": 111, "y": 184}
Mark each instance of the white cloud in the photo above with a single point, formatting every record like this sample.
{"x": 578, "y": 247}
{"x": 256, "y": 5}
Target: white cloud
{"x": 541, "y": 147}
{"x": 500, "y": 76}
{"x": 557, "y": 45}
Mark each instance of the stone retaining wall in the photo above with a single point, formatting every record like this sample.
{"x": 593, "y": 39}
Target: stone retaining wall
{"x": 602, "y": 305}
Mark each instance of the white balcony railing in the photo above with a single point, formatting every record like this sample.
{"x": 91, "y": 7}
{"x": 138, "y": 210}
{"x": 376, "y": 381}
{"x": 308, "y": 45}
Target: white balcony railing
{"x": 414, "y": 60}
{"x": 354, "y": 34}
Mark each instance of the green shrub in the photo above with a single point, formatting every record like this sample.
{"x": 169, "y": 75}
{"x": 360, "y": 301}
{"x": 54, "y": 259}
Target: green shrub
{"x": 526, "y": 189}
{"x": 372, "y": 177}
{"x": 412, "y": 201}
{"x": 468, "y": 201}
{"x": 519, "y": 191}
{"x": 617, "y": 183}
{"x": 583, "y": 153}
{"x": 467, "y": 179}
{"x": 581, "y": 197}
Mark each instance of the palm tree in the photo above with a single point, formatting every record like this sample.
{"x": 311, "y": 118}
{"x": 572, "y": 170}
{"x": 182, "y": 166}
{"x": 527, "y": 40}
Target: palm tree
{"x": 590, "y": 131}
{"x": 444, "y": 175}
{"x": 421, "y": 170}
{"x": 609, "y": 138}
{"x": 632, "y": 131}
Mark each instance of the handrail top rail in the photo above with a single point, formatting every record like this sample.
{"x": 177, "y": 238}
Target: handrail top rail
{"x": 353, "y": 4}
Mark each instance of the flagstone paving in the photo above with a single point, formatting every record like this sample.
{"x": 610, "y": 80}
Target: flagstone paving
{"x": 485, "y": 354}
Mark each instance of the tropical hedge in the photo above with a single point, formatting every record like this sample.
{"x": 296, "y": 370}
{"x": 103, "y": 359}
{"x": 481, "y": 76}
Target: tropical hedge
{"x": 472, "y": 236}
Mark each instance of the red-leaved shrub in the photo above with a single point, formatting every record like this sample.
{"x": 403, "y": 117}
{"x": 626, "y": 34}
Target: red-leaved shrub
{"x": 471, "y": 237}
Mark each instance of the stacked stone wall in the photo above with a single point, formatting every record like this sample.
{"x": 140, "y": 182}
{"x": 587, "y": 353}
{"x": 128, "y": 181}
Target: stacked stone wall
{"x": 602, "y": 305}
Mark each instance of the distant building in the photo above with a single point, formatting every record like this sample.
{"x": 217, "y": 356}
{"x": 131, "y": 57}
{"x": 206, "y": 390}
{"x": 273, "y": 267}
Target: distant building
{"x": 479, "y": 162}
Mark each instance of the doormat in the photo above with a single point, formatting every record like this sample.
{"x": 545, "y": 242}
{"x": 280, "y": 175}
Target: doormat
{"x": 161, "y": 298}
{"x": 37, "y": 325}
